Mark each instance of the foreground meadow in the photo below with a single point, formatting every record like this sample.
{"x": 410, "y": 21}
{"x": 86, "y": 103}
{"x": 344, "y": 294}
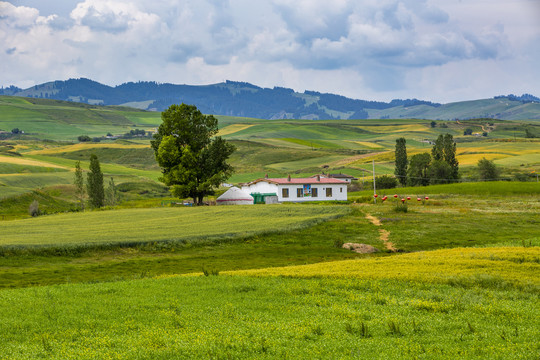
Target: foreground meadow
{"x": 278, "y": 314}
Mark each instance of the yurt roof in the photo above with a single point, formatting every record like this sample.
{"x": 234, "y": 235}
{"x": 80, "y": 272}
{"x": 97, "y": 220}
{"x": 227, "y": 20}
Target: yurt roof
{"x": 235, "y": 193}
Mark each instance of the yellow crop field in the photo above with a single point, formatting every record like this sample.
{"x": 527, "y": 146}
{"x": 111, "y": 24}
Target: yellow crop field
{"x": 23, "y": 161}
{"x": 395, "y": 128}
{"x": 472, "y": 159}
{"x": 231, "y": 129}
{"x": 85, "y": 146}
{"x": 518, "y": 265}
{"x": 368, "y": 144}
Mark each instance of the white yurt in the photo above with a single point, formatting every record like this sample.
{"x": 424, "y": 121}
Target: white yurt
{"x": 235, "y": 196}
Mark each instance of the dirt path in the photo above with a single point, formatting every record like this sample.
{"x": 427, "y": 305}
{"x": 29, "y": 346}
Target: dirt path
{"x": 383, "y": 234}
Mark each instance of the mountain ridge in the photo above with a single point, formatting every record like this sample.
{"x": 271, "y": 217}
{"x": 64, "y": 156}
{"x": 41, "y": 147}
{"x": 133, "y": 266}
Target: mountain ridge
{"x": 244, "y": 99}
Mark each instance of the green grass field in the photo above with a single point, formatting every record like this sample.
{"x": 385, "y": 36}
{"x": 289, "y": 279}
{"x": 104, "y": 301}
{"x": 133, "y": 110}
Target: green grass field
{"x": 159, "y": 224}
{"x": 245, "y": 317}
{"x": 455, "y": 276}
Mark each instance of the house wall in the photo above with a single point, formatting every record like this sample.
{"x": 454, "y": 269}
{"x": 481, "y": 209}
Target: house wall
{"x": 339, "y": 192}
{"x": 261, "y": 187}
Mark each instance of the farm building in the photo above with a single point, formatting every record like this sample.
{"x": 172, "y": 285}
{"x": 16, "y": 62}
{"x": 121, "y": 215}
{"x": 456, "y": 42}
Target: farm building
{"x": 317, "y": 188}
{"x": 235, "y": 196}
{"x": 347, "y": 178}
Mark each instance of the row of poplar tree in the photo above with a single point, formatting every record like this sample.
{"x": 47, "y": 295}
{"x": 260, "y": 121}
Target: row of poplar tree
{"x": 439, "y": 167}
{"x": 94, "y": 189}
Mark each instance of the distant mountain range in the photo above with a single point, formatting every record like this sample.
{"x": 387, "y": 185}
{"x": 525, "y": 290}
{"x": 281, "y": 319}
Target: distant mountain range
{"x": 247, "y": 100}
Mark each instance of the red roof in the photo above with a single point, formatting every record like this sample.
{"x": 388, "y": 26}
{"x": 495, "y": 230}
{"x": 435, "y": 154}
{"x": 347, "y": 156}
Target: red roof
{"x": 310, "y": 180}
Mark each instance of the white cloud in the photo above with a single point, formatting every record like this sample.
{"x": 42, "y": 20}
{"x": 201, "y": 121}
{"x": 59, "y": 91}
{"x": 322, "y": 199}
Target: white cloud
{"x": 366, "y": 48}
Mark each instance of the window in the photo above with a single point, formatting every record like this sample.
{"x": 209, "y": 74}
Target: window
{"x": 340, "y": 189}
{"x": 328, "y": 192}
{"x": 285, "y": 193}
{"x": 314, "y": 192}
{"x": 299, "y": 192}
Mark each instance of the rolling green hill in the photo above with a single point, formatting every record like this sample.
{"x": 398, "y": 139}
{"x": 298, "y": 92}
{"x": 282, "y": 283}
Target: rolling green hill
{"x": 247, "y": 100}
{"x": 45, "y": 154}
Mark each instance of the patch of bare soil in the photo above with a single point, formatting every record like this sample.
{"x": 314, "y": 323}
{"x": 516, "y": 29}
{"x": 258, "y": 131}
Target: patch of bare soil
{"x": 360, "y": 248}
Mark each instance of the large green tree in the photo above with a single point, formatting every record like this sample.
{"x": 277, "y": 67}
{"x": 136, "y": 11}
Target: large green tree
{"x": 78, "y": 180}
{"x": 418, "y": 170}
{"x": 94, "y": 183}
{"x": 444, "y": 150}
{"x": 437, "y": 152}
{"x": 401, "y": 161}
{"x": 449, "y": 148}
{"x": 439, "y": 172}
{"x": 193, "y": 160}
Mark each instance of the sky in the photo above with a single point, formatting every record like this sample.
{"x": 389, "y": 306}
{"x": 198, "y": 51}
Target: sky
{"x": 436, "y": 50}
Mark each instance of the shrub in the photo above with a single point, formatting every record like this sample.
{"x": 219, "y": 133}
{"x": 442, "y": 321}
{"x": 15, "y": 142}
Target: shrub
{"x": 487, "y": 169}
{"x": 208, "y": 272}
{"x": 33, "y": 209}
{"x": 401, "y": 207}
{"x": 385, "y": 182}
{"x": 338, "y": 243}
{"x": 84, "y": 138}
{"x": 467, "y": 131}
{"x": 393, "y": 328}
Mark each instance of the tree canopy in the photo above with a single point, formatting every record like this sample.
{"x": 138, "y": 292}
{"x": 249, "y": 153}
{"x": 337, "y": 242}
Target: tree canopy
{"x": 445, "y": 150}
{"x": 487, "y": 169}
{"x": 193, "y": 160}
{"x": 94, "y": 183}
{"x": 418, "y": 169}
{"x": 401, "y": 160}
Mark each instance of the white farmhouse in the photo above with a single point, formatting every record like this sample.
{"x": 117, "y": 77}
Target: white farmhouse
{"x": 315, "y": 188}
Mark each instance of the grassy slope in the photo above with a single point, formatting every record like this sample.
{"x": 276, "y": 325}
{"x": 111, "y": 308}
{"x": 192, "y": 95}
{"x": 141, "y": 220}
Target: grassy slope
{"x": 159, "y": 224}
{"x": 510, "y": 110}
{"x": 58, "y": 120}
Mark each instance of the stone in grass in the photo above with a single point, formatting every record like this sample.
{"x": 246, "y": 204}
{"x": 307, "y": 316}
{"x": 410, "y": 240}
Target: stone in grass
{"x": 360, "y": 248}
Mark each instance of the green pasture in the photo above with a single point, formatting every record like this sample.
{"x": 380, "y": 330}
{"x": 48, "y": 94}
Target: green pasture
{"x": 495, "y": 189}
{"x": 57, "y": 120}
{"x": 159, "y": 224}
{"x": 314, "y": 165}
{"x": 442, "y": 226}
{"x": 107, "y": 169}
{"x": 142, "y": 158}
{"x": 15, "y": 184}
{"x": 244, "y": 317}
{"x": 6, "y": 168}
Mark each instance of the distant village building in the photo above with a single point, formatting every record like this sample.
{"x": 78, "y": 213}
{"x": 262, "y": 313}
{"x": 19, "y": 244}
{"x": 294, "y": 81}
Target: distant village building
{"x": 345, "y": 177}
{"x": 235, "y": 196}
{"x": 316, "y": 188}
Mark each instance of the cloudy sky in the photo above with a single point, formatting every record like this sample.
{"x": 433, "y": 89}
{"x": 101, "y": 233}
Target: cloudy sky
{"x": 438, "y": 50}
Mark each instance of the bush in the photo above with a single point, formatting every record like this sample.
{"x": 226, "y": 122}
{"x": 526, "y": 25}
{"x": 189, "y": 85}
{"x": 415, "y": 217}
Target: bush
{"x": 33, "y": 209}
{"x": 84, "y": 138}
{"x": 487, "y": 169}
{"x": 521, "y": 177}
{"x": 385, "y": 182}
{"x": 467, "y": 131}
{"x": 401, "y": 207}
